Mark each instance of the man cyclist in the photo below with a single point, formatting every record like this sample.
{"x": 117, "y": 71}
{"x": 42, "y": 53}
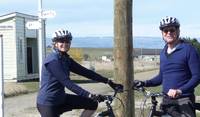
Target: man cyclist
{"x": 179, "y": 71}
{"x": 52, "y": 100}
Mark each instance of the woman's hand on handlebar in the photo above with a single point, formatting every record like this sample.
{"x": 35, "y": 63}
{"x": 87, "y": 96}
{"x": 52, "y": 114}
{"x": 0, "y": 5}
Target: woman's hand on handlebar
{"x": 97, "y": 97}
{"x": 115, "y": 86}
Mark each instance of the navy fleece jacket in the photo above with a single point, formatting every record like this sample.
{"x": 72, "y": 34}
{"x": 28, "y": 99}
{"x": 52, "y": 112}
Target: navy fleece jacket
{"x": 178, "y": 70}
{"x": 55, "y": 77}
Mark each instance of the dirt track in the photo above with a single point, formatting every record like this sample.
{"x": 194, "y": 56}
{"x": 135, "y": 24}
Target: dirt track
{"x": 24, "y": 106}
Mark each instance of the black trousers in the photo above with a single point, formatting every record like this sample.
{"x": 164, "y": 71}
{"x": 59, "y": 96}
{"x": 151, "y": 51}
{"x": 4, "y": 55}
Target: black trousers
{"x": 71, "y": 102}
{"x": 182, "y": 107}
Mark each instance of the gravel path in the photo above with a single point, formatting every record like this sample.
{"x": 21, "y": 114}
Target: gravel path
{"x": 24, "y": 105}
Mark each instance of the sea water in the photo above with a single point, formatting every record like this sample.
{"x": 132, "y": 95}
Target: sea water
{"x": 108, "y": 42}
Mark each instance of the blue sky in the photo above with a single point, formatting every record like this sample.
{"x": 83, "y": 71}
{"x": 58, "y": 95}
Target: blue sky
{"x": 95, "y": 17}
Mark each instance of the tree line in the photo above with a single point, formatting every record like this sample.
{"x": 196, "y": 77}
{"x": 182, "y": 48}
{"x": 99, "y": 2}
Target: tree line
{"x": 193, "y": 41}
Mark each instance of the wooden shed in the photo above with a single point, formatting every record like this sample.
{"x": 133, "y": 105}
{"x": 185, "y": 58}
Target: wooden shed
{"x": 20, "y": 48}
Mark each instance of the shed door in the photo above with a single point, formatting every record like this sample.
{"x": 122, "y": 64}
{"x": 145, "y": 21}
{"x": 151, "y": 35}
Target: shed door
{"x": 29, "y": 60}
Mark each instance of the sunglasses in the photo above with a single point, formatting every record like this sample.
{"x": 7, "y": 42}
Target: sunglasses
{"x": 65, "y": 41}
{"x": 172, "y": 30}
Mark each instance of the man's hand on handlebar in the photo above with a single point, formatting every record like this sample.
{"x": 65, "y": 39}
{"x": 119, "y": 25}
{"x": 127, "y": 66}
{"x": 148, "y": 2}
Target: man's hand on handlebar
{"x": 138, "y": 84}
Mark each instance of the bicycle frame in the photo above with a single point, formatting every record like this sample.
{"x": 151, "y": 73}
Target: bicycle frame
{"x": 153, "y": 111}
{"x": 109, "y": 112}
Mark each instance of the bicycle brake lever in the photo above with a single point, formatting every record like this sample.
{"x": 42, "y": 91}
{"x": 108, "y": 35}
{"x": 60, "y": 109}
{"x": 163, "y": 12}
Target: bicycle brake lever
{"x": 119, "y": 89}
{"x": 104, "y": 113}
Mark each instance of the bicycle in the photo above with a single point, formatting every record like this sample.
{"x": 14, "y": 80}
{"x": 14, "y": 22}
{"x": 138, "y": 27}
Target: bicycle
{"x": 154, "y": 103}
{"x": 108, "y": 99}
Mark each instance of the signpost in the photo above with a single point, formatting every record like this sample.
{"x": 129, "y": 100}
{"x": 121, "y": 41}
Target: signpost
{"x": 41, "y": 34}
{"x": 39, "y": 25}
{"x": 33, "y": 25}
{"x": 41, "y": 38}
{"x": 48, "y": 14}
{"x": 2, "y": 77}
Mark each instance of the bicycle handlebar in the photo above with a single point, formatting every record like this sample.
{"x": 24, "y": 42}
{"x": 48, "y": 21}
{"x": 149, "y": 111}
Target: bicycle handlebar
{"x": 148, "y": 93}
{"x": 108, "y": 101}
{"x": 110, "y": 97}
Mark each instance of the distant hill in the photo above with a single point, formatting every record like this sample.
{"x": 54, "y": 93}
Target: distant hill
{"x": 107, "y": 42}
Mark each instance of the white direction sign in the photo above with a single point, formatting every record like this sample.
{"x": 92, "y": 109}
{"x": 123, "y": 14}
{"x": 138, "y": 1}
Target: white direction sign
{"x": 33, "y": 25}
{"x": 48, "y": 14}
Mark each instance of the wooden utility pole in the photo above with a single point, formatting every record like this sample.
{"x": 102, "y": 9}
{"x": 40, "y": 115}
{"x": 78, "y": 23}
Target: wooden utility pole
{"x": 123, "y": 54}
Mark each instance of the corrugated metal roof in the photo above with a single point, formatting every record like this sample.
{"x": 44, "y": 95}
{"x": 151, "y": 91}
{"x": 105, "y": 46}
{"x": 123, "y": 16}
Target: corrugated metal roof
{"x": 17, "y": 14}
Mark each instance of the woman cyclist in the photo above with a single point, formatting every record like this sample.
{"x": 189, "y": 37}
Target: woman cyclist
{"x": 52, "y": 100}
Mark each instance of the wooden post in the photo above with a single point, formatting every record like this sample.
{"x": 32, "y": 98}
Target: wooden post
{"x": 123, "y": 55}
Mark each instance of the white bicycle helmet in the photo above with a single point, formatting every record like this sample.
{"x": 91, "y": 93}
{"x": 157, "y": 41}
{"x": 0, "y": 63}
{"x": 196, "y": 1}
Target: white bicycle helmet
{"x": 169, "y": 21}
{"x": 60, "y": 35}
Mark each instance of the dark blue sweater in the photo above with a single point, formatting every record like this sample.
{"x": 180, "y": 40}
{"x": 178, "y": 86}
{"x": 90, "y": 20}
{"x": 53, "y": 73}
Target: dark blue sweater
{"x": 178, "y": 70}
{"x": 55, "y": 77}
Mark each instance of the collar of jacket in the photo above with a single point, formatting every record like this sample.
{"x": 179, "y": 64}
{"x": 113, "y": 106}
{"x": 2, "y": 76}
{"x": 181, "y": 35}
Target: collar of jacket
{"x": 178, "y": 46}
{"x": 60, "y": 54}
